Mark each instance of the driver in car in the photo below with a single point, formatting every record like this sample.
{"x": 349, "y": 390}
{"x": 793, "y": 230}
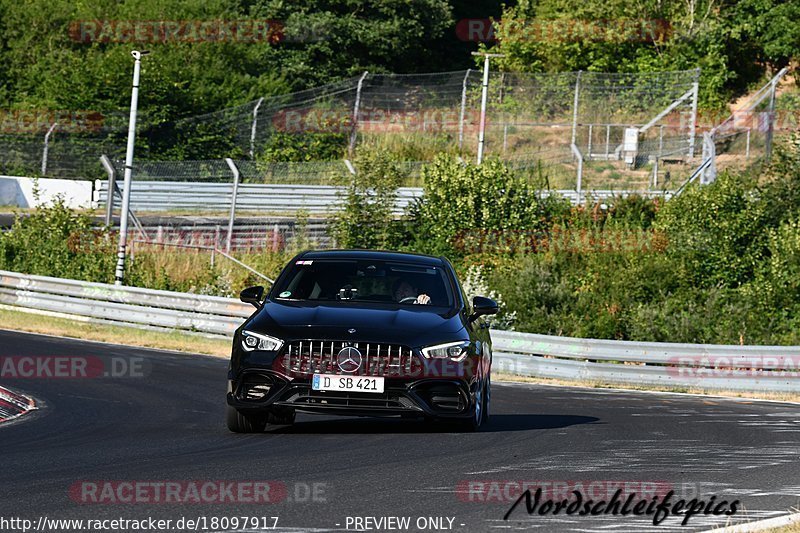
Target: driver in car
{"x": 403, "y": 290}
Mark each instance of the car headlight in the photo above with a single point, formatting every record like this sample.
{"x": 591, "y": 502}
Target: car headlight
{"x": 256, "y": 341}
{"x": 455, "y": 351}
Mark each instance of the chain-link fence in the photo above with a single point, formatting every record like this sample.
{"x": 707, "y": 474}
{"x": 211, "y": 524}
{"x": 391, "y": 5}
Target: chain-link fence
{"x": 577, "y": 130}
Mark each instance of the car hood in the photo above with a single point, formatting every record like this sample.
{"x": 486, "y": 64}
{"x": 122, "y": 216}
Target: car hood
{"x": 409, "y": 325}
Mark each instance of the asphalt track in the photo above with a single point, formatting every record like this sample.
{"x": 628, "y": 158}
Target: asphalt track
{"x": 166, "y": 423}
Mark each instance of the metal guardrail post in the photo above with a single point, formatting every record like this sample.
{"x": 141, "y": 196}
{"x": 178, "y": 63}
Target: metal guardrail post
{"x": 112, "y": 185}
{"x": 234, "y": 195}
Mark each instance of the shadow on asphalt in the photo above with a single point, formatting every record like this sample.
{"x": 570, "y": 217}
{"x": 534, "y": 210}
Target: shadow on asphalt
{"x": 498, "y": 423}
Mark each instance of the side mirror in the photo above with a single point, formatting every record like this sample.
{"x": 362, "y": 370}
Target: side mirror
{"x": 253, "y": 295}
{"x": 482, "y": 306}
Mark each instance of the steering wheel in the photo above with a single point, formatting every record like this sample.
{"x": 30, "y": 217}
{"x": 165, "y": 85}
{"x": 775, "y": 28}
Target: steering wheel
{"x": 408, "y": 299}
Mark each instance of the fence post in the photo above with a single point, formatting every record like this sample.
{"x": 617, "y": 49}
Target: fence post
{"x": 253, "y": 129}
{"x": 354, "y": 129}
{"x": 46, "y": 148}
{"x": 771, "y": 119}
{"x": 575, "y": 151}
{"x": 463, "y": 110}
{"x": 608, "y": 138}
{"x": 484, "y": 101}
{"x": 709, "y": 154}
{"x": 575, "y": 107}
{"x": 655, "y": 174}
{"x": 589, "y": 147}
{"x": 747, "y": 147}
{"x": 579, "y": 183}
{"x": 693, "y": 125}
{"x": 119, "y": 271}
{"x": 234, "y": 194}
{"x": 112, "y": 185}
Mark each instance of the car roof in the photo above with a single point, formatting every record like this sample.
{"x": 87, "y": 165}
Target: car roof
{"x": 381, "y": 255}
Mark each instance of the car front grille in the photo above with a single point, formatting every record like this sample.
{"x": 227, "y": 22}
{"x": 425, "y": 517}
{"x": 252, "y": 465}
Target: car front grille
{"x": 320, "y": 357}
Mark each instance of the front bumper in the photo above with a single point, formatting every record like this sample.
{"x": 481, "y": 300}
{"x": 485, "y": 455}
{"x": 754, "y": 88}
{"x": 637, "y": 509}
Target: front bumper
{"x": 266, "y": 390}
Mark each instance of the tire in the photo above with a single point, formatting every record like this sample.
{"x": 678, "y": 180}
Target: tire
{"x": 239, "y": 422}
{"x": 474, "y": 422}
{"x": 487, "y": 399}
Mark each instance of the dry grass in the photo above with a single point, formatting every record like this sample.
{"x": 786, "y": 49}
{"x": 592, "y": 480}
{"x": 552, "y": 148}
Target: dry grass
{"x": 63, "y": 327}
{"x": 794, "y": 528}
{"x": 777, "y": 396}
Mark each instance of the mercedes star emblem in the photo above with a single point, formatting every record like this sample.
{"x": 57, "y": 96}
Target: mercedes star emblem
{"x": 348, "y": 359}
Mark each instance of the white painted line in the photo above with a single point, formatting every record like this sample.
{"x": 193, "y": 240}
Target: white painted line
{"x": 760, "y": 525}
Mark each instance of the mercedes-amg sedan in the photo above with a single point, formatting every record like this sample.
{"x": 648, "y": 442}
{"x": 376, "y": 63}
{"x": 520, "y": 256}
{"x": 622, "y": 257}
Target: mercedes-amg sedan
{"x": 364, "y": 333}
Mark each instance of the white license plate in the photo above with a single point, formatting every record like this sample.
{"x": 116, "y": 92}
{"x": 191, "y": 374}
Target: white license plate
{"x": 347, "y": 383}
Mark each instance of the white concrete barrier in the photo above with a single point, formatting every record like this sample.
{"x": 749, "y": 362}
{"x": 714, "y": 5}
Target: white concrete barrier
{"x": 32, "y": 192}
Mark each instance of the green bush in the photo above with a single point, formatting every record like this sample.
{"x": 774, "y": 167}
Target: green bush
{"x": 57, "y": 241}
{"x": 367, "y": 219}
{"x": 282, "y": 147}
{"x": 463, "y": 203}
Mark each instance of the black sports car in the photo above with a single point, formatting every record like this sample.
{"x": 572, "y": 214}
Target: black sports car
{"x": 355, "y": 332}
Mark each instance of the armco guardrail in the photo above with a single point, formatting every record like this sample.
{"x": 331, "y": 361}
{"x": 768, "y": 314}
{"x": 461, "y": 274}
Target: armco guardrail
{"x": 766, "y": 368}
{"x": 124, "y": 305}
{"x": 261, "y": 198}
{"x": 704, "y": 366}
{"x": 277, "y": 198}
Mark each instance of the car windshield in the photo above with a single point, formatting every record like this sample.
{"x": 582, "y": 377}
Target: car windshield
{"x": 372, "y": 281}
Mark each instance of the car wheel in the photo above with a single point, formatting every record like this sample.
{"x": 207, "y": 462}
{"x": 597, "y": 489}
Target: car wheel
{"x": 487, "y": 399}
{"x": 239, "y": 422}
{"x": 473, "y": 423}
